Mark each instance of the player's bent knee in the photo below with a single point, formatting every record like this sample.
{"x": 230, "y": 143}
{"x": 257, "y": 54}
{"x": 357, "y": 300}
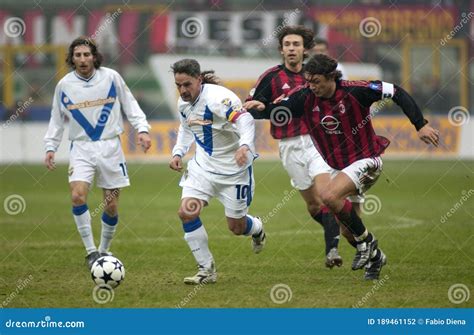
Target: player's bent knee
{"x": 329, "y": 198}
{"x": 78, "y": 198}
{"x": 186, "y": 216}
{"x": 111, "y": 209}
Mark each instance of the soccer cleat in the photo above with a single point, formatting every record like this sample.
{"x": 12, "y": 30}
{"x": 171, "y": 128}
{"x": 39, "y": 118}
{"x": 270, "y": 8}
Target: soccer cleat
{"x": 363, "y": 254}
{"x": 91, "y": 258}
{"x": 204, "y": 276}
{"x": 258, "y": 240}
{"x": 105, "y": 253}
{"x": 373, "y": 268}
{"x": 333, "y": 259}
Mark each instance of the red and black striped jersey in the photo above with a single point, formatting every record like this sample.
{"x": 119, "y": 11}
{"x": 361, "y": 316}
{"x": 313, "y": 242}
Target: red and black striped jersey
{"x": 341, "y": 126}
{"x": 273, "y": 83}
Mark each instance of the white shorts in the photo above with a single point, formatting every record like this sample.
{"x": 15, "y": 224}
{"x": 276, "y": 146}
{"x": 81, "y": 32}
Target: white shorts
{"x": 103, "y": 159}
{"x": 363, "y": 173}
{"x": 234, "y": 192}
{"x": 302, "y": 161}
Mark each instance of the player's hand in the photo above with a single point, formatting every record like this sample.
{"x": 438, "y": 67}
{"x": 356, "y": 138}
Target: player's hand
{"x": 279, "y": 99}
{"x": 254, "y": 104}
{"x": 144, "y": 141}
{"x": 176, "y": 163}
{"x": 429, "y": 135}
{"x": 241, "y": 155}
{"x": 49, "y": 161}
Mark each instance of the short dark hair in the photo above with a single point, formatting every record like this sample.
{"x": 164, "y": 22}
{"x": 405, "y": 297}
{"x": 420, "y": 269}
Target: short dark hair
{"x": 192, "y": 68}
{"x": 188, "y": 66}
{"x": 306, "y": 33}
{"x": 324, "y": 65}
{"x": 319, "y": 40}
{"x": 83, "y": 40}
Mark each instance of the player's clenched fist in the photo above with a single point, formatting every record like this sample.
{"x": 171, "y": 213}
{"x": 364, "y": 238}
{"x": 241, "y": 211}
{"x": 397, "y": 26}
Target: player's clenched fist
{"x": 176, "y": 163}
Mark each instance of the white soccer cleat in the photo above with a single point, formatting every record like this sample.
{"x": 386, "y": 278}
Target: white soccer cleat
{"x": 258, "y": 241}
{"x": 204, "y": 276}
{"x": 333, "y": 259}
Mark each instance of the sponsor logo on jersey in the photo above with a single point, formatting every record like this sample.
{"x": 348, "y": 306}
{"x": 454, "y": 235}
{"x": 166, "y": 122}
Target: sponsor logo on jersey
{"x": 85, "y": 104}
{"x": 331, "y": 125}
{"x": 197, "y": 122}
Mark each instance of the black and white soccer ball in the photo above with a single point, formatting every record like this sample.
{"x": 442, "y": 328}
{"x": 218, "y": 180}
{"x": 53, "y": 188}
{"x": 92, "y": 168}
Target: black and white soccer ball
{"x": 108, "y": 271}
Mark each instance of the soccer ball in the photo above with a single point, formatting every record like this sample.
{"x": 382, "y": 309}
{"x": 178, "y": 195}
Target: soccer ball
{"x": 108, "y": 271}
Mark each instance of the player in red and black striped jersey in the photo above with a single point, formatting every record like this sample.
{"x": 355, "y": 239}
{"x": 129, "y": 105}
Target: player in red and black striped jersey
{"x": 337, "y": 113}
{"x": 297, "y": 152}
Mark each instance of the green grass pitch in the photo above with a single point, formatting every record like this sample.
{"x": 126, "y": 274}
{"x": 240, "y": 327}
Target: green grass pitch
{"x": 42, "y": 257}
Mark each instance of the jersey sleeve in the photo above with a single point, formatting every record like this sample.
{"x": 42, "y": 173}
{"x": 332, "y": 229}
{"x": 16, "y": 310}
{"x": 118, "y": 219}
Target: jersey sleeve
{"x": 227, "y": 105}
{"x": 263, "y": 89}
{"x": 184, "y": 139}
{"x": 54, "y": 134}
{"x": 378, "y": 90}
{"x": 292, "y": 105}
{"x": 130, "y": 106}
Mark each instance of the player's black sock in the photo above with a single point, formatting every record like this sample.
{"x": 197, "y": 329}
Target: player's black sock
{"x": 351, "y": 220}
{"x": 330, "y": 226}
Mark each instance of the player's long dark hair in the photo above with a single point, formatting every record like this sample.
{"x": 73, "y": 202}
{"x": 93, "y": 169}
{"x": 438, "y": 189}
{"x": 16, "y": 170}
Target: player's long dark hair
{"x": 192, "y": 68}
{"x": 306, "y": 33}
{"x": 324, "y": 65}
{"x": 83, "y": 40}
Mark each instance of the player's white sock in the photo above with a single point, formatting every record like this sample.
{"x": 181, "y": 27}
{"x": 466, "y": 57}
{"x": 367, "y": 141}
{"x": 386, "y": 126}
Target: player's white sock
{"x": 82, "y": 217}
{"x": 254, "y": 226}
{"x": 196, "y": 236}
{"x": 109, "y": 225}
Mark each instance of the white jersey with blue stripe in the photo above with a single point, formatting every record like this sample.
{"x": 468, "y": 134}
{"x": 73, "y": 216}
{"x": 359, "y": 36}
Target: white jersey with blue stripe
{"x": 209, "y": 121}
{"x": 93, "y": 107}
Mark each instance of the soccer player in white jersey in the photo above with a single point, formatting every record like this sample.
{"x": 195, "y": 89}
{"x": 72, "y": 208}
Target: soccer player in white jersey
{"x": 212, "y": 116}
{"x": 92, "y": 98}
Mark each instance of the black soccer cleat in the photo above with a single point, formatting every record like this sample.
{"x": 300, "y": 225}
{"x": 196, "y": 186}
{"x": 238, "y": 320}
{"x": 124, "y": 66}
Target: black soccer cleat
{"x": 373, "y": 268}
{"x": 364, "y": 253}
{"x": 91, "y": 258}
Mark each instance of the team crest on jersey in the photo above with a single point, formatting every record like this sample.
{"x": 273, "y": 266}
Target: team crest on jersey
{"x": 226, "y": 102}
{"x": 342, "y": 108}
{"x": 66, "y": 100}
{"x": 330, "y": 124}
{"x": 252, "y": 92}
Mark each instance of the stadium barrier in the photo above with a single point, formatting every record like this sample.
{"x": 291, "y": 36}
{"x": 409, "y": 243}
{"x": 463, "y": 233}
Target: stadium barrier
{"x": 22, "y": 142}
